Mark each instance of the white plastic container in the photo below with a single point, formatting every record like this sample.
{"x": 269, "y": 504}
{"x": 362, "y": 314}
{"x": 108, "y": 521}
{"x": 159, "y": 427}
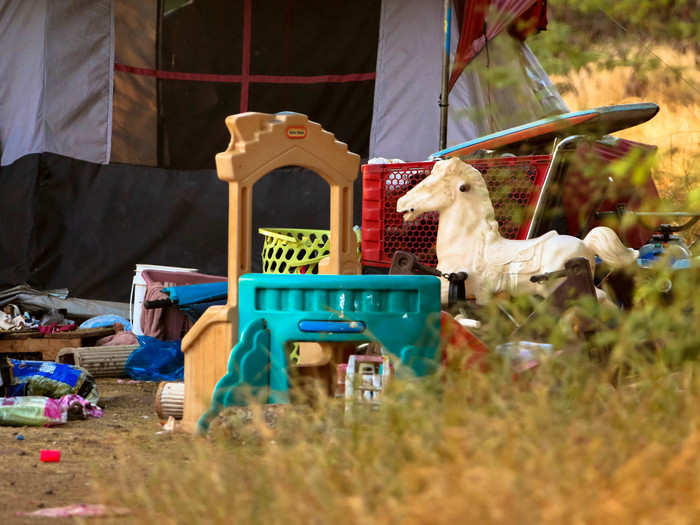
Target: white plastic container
{"x": 138, "y": 292}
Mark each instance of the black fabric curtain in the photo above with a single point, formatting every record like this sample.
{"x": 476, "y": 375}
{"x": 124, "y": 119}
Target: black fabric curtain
{"x": 287, "y": 38}
{"x": 83, "y": 226}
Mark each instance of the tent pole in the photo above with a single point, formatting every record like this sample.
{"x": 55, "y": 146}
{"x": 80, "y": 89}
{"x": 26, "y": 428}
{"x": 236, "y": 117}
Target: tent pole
{"x": 444, "y": 100}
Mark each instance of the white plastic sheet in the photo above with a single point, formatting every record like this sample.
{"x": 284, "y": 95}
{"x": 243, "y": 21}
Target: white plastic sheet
{"x": 406, "y": 116}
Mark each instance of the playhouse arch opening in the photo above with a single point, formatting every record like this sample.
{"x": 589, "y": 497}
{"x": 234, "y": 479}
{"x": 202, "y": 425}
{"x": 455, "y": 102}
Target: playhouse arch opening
{"x": 291, "y": 221}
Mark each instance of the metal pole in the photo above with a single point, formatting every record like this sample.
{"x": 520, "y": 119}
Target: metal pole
{"x": 444, "y": 99}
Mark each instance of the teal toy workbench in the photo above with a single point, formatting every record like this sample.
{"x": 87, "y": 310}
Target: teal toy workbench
{"x": 402, "y": 312}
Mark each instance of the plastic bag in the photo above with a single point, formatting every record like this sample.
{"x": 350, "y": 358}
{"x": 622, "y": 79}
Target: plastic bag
{"x": 40, "y": 410}
{"x": 156, "y": 360}
{"x": 106, "y": 320}
{"x": 45, "y": 378}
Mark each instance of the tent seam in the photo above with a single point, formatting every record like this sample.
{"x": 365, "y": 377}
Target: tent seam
{"x": 375, "y": 104}
{"x": 110, "y": 84}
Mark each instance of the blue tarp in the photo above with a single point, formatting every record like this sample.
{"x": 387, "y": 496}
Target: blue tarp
{"x": 156, "y": 360}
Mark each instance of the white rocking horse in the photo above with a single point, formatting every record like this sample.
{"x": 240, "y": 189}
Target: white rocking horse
{"x": 468, "y": 239}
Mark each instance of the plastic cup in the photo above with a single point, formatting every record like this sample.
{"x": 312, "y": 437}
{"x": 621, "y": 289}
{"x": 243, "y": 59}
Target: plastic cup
{"x": 50, "y": 456}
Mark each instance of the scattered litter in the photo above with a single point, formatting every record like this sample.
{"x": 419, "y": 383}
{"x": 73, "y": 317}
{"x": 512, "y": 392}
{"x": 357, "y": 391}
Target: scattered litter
{"x": 40, "y": 410}
{"x": 129, "y": 381}
{"x": 168, "y": 426}
{"x": 85, "y": 510}
{"x": 468, "y": 323}
{"x": 19, "y": 437}
{"x": 11, "y": 319}
{"x": 525, "y": 355}
{"x": 45, "y": 378}
{"x": 49, "y": 456}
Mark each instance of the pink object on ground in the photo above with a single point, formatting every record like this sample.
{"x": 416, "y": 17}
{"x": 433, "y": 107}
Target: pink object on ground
{"x": 86, "y": 510}
{"x": 119, "y": 338}
{"x": 169, "y": 323}
{"x": 50, "y": 456}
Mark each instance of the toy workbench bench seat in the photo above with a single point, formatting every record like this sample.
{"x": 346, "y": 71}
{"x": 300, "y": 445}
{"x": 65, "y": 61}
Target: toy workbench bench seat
{"x": 401, "y": 312}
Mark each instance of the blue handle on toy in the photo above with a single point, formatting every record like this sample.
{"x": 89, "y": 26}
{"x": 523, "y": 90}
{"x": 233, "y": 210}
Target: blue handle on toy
{"x": 338, "y": 327}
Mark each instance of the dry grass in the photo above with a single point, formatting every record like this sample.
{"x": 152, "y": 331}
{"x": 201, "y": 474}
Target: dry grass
{"x": 564, "y": 445}
{"x": 674, "y": 84}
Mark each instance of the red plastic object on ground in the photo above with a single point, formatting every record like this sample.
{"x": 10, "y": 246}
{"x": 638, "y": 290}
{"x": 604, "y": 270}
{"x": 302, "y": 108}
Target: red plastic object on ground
{"x": 514, "y": 184}
{"x": 453, "y": 334}
{"x": 50, "y": 456}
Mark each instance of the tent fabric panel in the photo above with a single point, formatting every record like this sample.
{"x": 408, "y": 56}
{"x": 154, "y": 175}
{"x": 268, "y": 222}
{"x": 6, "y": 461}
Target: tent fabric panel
{"x": 23, "y": 40}
{"x": 345, "y": 109}
{"x": 406, "y": 116}
{"x": 135, "y": 112}
{"x": 91, "y": 223}
{"x": 405, "y": 122}
{"x": 203, "y": 37}
{"x": 192, "y": 121}
{"x": 78, "y": 89}
{"x": 83, "y": 226}
{"x": 58, "y": 60}
{"x": 314, "y": 37}
{"x": 283, "y": 71}
{"x": 18, "y": 188}
{"x": 107, "y": 218}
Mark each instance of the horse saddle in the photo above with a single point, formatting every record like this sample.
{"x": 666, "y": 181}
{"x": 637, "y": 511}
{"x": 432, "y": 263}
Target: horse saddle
{"x": 508, "y": 251}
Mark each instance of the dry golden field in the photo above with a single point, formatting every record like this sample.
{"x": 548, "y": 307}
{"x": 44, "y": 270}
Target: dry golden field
{"x": 674, "y": 84}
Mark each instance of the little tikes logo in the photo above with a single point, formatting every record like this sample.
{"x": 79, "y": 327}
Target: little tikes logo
{"x": 296, "y": 132}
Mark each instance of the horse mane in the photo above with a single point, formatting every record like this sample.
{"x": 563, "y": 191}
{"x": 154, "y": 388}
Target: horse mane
{"x": 484, "y": 206}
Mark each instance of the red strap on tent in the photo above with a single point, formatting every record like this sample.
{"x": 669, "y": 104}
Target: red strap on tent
{"x": 476, "y": 29}
{"x": 176, "y": 75}
{"x": 235, "y": 79}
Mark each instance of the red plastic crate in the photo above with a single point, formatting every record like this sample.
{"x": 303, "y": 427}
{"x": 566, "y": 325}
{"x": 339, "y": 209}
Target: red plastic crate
{"x": 514, "y": 184}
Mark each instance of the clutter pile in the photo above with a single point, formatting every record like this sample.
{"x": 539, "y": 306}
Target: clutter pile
{"x": 52, "y": 348}
{"x": 45, "y": 393}
{"x": 320, "y": 326}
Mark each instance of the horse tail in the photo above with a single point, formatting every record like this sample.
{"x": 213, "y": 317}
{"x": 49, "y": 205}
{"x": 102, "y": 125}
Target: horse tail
{"x": 605, "y": 243}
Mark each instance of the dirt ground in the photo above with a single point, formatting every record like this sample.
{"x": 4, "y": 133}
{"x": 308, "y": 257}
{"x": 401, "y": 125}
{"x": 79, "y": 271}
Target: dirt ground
{"x": 90, "y": 450}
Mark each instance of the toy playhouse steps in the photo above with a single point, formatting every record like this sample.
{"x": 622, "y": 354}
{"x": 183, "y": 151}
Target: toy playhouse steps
{"x": 399, "y": 311}
{"x": 100, "y": 361}
{"x": 261, "y": 143}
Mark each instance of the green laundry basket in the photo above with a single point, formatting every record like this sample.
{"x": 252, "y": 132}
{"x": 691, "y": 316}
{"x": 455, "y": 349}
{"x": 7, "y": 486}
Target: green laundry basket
{"x": 296, "y": 250}
{"x": 293, "y": 250}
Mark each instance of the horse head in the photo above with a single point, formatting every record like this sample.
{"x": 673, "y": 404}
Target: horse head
{"x": 451, "y": 181}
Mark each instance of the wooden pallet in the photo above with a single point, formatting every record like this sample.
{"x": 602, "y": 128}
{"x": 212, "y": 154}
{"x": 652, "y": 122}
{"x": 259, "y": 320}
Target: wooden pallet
{"x": 25, "y": 343}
